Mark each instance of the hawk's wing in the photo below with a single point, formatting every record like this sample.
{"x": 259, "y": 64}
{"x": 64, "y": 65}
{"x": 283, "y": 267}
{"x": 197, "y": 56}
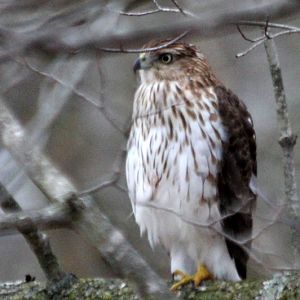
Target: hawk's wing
{"x": 238, "y": 165}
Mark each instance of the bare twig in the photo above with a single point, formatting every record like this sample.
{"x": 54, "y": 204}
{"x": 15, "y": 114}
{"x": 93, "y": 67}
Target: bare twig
{"x": 213, "y": 225}
{"x": 38, "y": 241}
{"x": 264, "y": 38}
{"x": 139, "y": 50}
{"x": 142, "y": 13}
{"x": 53, "y": 97}
{"x": 115, "y": 175}
{"x": 270, "y": 25}
{"x": 245, "y": 37}
{"x": 180, "y": 8}
{"x": 260, "y": 40}
{"x": 159, "y": 9}
{"x": 81, "y": 95}
{"x": 266, "y": 29}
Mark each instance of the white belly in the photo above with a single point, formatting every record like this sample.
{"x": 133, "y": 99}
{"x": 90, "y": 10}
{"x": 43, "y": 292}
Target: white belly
{"x": 172, "y": 192}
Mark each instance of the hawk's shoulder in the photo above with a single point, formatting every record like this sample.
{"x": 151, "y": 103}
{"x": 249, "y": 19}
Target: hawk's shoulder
{"x": 238, "y": 166}
{"x": 241, "y": 145}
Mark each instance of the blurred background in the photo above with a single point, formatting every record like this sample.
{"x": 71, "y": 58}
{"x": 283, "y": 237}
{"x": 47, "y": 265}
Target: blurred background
{"x": 53, "y": 94}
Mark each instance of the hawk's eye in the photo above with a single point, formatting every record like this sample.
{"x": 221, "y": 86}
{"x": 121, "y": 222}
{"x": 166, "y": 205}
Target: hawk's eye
{"x": 166, "y": 58}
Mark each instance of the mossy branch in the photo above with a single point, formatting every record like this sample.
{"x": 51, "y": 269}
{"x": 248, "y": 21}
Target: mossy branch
{"x": 281, "y": 286}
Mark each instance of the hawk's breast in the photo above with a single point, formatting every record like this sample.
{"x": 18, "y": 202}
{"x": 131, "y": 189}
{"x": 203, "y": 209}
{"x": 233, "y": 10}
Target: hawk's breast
{"x": 174, "y": 151}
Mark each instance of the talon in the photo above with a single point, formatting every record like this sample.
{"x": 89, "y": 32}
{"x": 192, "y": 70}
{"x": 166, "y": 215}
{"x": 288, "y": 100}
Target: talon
{"x": 201, "y": 274}
{"x": 186, "y": 278}
{"x": 180, "y": 273}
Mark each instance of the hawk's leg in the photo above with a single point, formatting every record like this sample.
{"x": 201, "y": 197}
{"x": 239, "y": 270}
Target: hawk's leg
{"x": 201, "y": 274}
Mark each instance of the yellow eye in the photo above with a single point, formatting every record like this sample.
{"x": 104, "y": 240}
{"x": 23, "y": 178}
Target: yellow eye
{"x": 166, "y": 58}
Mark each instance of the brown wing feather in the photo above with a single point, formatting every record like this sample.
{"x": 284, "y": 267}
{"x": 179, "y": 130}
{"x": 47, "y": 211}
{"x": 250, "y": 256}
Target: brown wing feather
{"x": 237, "y": 167}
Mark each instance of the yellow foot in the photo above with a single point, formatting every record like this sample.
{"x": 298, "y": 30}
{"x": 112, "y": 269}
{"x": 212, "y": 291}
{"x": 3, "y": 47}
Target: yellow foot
{"x": 185, "y": 279}
{"x": 201, "y": 274}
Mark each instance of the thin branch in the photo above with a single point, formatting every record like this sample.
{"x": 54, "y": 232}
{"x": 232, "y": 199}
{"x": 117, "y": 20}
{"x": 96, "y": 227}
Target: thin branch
{"x": 266, "y": 29}
{"x": 51, "y": 217}
{"x": 158, "y": 9}
{"x": 213, "y": 225}
{"x": 244, "y": 36}
{"x": 270, "y": 25}
{"x": 140, "y": 14}
{"x": 180, "y": 9}
{"x": 38, "y": 241}
{"x": 143, "y": 50}
{"x": 115, "y": 176}
{"x": 121, "y": 188}
{"x": 99, "y": 105}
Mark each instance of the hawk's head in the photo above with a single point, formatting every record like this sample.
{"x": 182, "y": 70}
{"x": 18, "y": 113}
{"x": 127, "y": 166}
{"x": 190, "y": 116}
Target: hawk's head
{"x": 176, "y": 62}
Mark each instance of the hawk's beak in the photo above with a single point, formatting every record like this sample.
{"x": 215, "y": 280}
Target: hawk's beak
{"x": 137, "y": 65}
{"x": 142, "y": 63}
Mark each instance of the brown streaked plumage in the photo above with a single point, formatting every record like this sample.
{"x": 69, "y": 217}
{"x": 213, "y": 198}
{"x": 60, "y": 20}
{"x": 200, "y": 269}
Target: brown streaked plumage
{"x": 197, "y": 158}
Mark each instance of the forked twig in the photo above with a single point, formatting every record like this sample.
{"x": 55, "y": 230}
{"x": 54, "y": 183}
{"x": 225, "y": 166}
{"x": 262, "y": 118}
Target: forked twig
{"x": 150, "y": 49}
{"x": 159, "y": 9}
{"x": 266, "y": 36}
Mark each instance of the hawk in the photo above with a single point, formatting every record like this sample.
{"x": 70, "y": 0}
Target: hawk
{"x": 191, "y": 165}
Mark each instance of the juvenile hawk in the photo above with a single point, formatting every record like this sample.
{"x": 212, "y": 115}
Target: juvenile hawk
{"x": 190, "y": 165}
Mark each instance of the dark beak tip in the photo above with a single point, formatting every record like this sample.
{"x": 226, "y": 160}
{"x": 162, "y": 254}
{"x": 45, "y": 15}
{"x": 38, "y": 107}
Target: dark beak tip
{"x": 137, "y": 65}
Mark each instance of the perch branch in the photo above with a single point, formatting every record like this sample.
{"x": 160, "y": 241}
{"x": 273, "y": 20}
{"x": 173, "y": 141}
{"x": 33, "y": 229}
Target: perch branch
{"x": 283, "y": 286}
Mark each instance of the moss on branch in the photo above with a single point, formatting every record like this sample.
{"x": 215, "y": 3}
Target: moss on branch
{"x": 282, "y": 287}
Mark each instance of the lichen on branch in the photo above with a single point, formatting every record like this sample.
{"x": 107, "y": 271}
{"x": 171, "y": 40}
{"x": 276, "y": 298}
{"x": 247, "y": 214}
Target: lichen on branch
{"x": 281, "y": 286}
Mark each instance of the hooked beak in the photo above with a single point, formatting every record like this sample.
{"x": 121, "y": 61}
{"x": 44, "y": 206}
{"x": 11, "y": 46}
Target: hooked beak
{"x": 137, "y": 65}
{"x": 142, "y": 63}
